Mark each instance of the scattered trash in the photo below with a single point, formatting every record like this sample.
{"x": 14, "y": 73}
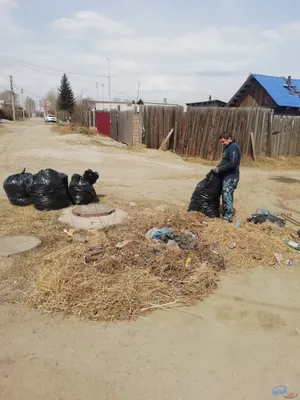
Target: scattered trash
{"x": 121, "y": 245}
{"x": 262, "y": 218}
{"x": 151, "y": 232}
{"x": 264, "y": 211}
{"x": 184, "y": 239}
{"x": 70, "y": 232}
{"x": 238, "y": 224}
{"x": 81, "y": 188}
{"x": 293, "y": 244}
{"x": 232, "y": 245}
{"x": 16, "y": 190}
{"x": 161, "y": 234}
{"x": 172, "y": 244}
{"x": 188, "y": 261}
{"x": 206, "y": 196}
{"x": 48, "y": 190}
{"x": 290, "y": 262}
{"x": 278, "y": 257}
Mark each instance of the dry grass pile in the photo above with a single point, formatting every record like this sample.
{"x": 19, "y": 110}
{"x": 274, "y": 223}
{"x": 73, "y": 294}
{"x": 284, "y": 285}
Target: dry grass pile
{"x": 99, "y": 281}
{"x": 252, "y": 245}
{"x": 74, "y": 128}
{"x": 276, "y": 163}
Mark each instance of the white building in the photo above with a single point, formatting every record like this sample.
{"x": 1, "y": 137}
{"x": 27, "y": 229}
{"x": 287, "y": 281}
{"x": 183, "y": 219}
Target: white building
{"x": 124, "y": 105}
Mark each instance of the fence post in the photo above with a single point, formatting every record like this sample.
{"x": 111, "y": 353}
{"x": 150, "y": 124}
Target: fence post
{"x": 269, "y": 137}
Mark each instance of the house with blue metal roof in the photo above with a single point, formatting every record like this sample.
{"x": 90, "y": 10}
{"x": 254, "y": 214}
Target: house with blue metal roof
{"x": 278, "y": 93}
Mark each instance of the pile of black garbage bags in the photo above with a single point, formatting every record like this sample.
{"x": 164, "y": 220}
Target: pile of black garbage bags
{"x": 49, "y": 189}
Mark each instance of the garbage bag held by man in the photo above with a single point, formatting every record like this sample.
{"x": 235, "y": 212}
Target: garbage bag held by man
{"x": 206, "y": 196}
{"x": 81, "y": 190}
{"x": 16, "y": 190}
{"x": 48, "y": 190}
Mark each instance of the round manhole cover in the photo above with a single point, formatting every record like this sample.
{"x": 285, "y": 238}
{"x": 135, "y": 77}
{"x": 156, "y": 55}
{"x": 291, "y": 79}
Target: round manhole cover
{"x": 12, "y": 245}
{"x": 93, "y": 210}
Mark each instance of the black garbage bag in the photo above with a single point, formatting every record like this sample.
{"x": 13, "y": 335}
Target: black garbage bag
{"x": 262, "y": 218}
{"x": 48, "y": 190}
{"x": 16, "y": 190}
{"x": 91, "y": 176}
{"x": 81, "y": 190}
{"x": 206, "y": 196}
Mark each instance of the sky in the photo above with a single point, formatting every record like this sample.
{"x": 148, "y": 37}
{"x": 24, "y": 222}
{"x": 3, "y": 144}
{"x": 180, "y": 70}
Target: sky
{"x": 183, "y": 51}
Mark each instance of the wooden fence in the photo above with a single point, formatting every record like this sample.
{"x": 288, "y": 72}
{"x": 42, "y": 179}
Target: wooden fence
{"x": 196, "y": 131}
{"x": 122, "y": 126}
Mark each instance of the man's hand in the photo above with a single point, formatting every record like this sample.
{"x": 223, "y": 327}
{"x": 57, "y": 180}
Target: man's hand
{"x": 215, "y": 170}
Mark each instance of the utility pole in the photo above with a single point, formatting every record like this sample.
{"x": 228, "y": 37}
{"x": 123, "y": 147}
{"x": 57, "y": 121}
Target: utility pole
{"x": 28, "y": 107}
{"x": 109, "y": 86}
{"x": 97, "y": 91}
{"x": 12, "y": 97}
{"x": 103, "y": 96}
{"x": 23, "y": 111}
{"x": 138, "y": 91}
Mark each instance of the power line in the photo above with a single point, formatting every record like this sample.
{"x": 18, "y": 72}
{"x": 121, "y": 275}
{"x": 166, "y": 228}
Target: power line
{"x": 4, "y": 87}
{"x": 27, "y": 64}
{"x": 27, "y": 91}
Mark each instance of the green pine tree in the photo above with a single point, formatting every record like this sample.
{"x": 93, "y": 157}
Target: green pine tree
{"x": 66, "y": 98}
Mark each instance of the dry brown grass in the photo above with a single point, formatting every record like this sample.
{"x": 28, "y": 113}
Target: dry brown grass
{"x": 114, "y": 283}
{"x": 97, "y": 281}
{"x": 255, "y": 244}
{"x": 277, "y": 163}
{"x": 101, "y": 282}
{"x": 74, "y": 128}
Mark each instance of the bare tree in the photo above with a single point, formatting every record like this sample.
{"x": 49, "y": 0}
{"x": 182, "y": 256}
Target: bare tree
{"x": 6, "y": 96}
{"x": 6, "y": 103}
{"x": 51, "y": 99}
{"x": 30, "y": 106}
{"x": 83, "y": 110}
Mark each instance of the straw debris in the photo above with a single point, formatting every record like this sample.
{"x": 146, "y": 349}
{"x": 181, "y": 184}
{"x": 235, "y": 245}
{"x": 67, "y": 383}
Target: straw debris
{"x": 93, "y": 279}
{"x": 99, "y": 281}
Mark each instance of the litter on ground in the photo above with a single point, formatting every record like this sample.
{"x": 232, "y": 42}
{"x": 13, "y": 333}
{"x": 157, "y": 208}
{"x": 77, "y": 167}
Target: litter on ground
{"x": 150, "y": 260}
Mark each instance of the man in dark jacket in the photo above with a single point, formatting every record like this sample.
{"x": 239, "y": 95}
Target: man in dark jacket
{"x": 229, "y": 171}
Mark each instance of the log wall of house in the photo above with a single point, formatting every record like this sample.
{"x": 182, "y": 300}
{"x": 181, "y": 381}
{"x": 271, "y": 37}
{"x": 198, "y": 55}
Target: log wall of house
{"x": 255, "y": 95}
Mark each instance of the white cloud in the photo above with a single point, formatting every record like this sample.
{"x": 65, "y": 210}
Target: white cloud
{"x": 165, "y": 83}
{"x": 84, "y": 22}
{"x": 182, "y": 65}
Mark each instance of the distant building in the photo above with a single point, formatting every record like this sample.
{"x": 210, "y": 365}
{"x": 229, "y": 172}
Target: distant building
{"x": 278, "y": 93}
{"x": 125, "y": 105}
{"x": 208, "y": 103}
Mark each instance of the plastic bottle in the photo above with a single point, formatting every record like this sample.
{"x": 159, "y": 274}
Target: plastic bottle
{"x": 293, "y": 244}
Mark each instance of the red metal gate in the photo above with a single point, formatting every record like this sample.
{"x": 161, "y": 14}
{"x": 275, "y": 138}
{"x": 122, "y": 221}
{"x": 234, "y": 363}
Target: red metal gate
{"x": 103, "y": 123}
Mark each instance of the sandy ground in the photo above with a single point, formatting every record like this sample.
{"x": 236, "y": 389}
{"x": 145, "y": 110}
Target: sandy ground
{"x": 239, "y": 344}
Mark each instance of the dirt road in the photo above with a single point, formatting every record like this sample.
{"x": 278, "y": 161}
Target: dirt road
{"x": 239, "y": 344}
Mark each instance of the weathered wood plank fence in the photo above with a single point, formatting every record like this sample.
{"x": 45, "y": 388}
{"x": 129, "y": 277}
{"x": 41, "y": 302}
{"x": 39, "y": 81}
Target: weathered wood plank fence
{"x": 122, "y": 126}
{"x": 196, "y": 131}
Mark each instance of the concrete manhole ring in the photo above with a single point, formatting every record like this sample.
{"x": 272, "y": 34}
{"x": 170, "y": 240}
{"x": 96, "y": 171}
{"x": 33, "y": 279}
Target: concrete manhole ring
{"x": 92, "y": 210}
{"x": 12, "y": 245}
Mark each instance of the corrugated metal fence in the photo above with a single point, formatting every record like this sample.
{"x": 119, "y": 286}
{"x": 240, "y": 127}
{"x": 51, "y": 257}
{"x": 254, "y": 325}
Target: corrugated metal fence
{"x": 197, "y": 130}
